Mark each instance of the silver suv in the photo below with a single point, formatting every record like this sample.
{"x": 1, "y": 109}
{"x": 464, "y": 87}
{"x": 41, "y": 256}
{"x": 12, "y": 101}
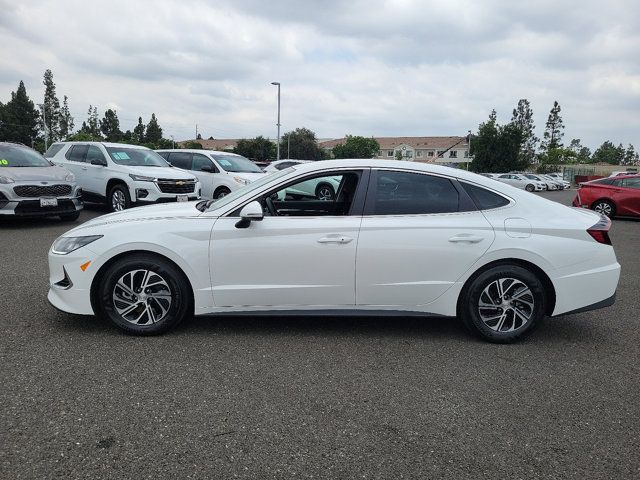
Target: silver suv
{"x": 30, "y": 186}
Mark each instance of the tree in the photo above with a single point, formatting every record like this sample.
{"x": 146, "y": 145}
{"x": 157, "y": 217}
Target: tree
{"x": 554, "y": 127}
{"x": 302, "y": 145}
{"x": 138, "y": 131}
{"x": 91, "y": 127}
{"x": 66, "y": 120}
{"x": 398, "y": 155}
{"x": 523, "y": 118}
{"x": 631, "y": 157}
{"x": 110, "y": 126}
{"x": 582, "y": 153}
{"x": 609, "y": 153}
{"x": 153, "y": 131}
{"x": 496, "y": 148}
{"x": 19, "y": 118}
{"x": 357, "y": 147}
{"x": 551, "y": 160}
{"x": 51, "y": 119}
{"x": 258, "y": 148}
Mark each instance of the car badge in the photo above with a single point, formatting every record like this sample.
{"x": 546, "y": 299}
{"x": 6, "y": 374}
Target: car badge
{"x": 180, "y": 182}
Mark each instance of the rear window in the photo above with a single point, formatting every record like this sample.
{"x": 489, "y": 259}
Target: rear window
{"x": 53, "y": 149}
{"x": 483, "y": 198}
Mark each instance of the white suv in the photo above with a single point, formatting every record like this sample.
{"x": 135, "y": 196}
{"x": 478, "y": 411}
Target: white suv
{"x": 219, "y": 173}
{"x": 123, "y": 175}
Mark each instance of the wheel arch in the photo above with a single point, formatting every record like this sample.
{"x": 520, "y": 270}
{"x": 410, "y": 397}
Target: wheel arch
{"x": 533, "y": 268}
{"x": 103, "y": 268}
{"x": 112, "y": 182}
{"x": 606, "y": 199}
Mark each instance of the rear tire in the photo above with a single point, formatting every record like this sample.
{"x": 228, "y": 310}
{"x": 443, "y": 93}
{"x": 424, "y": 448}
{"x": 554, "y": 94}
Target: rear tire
{"x": 605, "y": 207}
{"x": 143, "y": 294}
{"x": 503, "y": 304}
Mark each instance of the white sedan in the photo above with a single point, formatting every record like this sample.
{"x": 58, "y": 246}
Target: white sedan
{"x": 405, "y": 237}
{"x": 520, "y": 181}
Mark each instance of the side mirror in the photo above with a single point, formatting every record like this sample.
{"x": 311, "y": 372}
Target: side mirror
{"x": 97, "y": 161}
{"x": 207, "y": 168}
{"x": 250, "y": 212}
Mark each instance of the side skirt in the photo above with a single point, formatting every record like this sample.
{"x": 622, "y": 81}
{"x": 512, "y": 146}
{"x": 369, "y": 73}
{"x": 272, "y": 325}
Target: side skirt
{"x": 324, "y": 313}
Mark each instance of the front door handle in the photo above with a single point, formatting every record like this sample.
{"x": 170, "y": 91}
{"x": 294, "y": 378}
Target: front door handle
{"x": 465, "y": 238}
{"x": 335, "y": 239}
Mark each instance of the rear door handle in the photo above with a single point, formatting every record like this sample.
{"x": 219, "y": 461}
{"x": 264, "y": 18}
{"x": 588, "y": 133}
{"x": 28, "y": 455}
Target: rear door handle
{"x": 465, "y": 238}
{"x": 335, "y": 239}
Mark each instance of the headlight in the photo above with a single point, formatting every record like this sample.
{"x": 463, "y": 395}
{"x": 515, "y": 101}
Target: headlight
{"x": 242, "y": 181}
{"x": 141, "y": 178}
{"x": 4, "y": 179}
{"x": 64, "y": 245}
{"x": 70, "y": 178}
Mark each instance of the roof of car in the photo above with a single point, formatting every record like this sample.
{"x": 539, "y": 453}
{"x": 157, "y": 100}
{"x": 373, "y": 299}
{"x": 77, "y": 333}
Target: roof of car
{"x": 197, "y": 150}
{"x": 106, "y": 144}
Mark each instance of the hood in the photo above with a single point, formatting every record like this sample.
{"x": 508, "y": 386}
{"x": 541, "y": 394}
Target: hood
{"x": 252, "y": 177}
{"x": 35, "y": 174}
{"x": 162, "y": 172}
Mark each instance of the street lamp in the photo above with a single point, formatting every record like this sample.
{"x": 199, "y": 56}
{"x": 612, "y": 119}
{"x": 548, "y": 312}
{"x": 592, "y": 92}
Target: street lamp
{"x": 278, "y": 124}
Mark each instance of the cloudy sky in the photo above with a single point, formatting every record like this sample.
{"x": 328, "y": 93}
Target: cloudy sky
{"x": 383, "y": 68}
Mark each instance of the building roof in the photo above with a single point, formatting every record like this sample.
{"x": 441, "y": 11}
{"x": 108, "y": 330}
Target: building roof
{"x": 415, "y": 142}
{"x": 214, "y": 144}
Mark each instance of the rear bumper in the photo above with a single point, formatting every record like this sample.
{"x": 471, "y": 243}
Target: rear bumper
{"x": 607, "y": 302}
{"x": 588, "y": 289}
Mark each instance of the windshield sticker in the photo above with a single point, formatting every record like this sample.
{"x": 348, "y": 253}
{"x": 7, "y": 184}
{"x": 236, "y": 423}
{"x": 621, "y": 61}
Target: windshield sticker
{"x": 4, "y": 162}
{"x": 224, "y": 163}
{"x": 120, "y": 156}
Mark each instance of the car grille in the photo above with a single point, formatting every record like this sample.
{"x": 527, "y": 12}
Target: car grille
{"x": 176, "y": 186}
{"x": 32, "y": 207}
{"x": 34, "y": 191}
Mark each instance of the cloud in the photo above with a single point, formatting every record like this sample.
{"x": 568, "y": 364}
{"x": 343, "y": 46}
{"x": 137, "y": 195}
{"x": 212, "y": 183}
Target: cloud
{"x": 372, "y": 68}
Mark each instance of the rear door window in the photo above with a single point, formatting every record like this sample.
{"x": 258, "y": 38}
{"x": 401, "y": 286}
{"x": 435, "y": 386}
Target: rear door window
{"x": 483, "y": 198}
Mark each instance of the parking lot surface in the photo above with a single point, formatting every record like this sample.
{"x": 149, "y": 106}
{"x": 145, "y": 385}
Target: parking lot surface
{"x": 312, "y": 397}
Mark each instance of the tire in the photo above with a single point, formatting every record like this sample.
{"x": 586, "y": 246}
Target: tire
{"x": 529, "y": 188}
{"x": 510, "y": 319}
{"x": 221, "y": 192}
{"x": 70, "y": 217}
{"x": 324, "y": 191}
{"x": 138, "y": 310}
{"x": 605, "y": 207}
{"x": 118, "y": 198}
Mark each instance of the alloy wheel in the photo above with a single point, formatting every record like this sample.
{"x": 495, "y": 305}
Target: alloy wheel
{"x": 506, "y": 305}
{"x": 142, "y": 297}
{"x": 603, "y": 207}
{"x": 118, "y": 201}
{"x": 325, "y": 193}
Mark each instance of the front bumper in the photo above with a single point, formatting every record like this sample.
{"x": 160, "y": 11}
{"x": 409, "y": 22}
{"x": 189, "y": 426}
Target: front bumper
{"x": 69, "y": 285}
{"x": 144, "y": 193}
{"x": 13, "y": 204}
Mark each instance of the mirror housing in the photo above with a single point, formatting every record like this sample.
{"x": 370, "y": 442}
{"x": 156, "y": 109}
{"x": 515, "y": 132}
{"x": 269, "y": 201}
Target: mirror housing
{"x": 97, "y": 161}
{"x": 250, "y": 212}
{"x": 207, "y": 168}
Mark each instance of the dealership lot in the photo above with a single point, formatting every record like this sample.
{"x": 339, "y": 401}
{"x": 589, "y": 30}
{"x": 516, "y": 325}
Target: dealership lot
{"x": 312, "y": 397}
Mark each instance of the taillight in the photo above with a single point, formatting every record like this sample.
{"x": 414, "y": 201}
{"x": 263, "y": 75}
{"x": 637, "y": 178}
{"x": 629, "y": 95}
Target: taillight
{"x": 600, "y": 231}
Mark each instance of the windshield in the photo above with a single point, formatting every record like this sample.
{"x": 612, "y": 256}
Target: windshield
{"x": 136, "y": 157}
{"x": 237, "y": 164}
{"x": 227, "y": 199}
{"x": 17, "y": 156}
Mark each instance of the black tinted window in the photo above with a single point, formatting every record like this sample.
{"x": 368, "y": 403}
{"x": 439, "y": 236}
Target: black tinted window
{"x": 604, "y": 181}
{"x": 164, "y": 155}
{"x": 77, "y": 153}
{"x": 200, "y": 161}
{"x": 402, "y": 193}
{"x": 94, "y": 153}
{"x": 631, "y": 182}
{"x": 483, "y": 198}
{"x": 53, "y": 149}
{"x": 180, "y": 160}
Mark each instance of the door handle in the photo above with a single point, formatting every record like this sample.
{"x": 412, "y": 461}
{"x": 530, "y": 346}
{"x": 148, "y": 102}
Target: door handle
{"x": 335, "y": 239}
{"x": 84, "y": 168}
{"x": 465, "y": 238}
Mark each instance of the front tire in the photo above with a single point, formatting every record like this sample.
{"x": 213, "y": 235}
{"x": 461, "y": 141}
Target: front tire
{"x": 503, "y": 304}
{"x": 324, "y": 191}
{"x": 529, "y": 188}
{"x": 605, "y": 207}
{"x": 143, "y": 295}
{"x": 221, "y": 192}
{"x": 119, "y": 198}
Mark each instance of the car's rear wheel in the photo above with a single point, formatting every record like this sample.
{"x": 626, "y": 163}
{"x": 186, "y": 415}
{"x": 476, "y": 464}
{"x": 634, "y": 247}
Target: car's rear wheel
{"x": 221, "y": 192}
{"x": 605, "y": 207}
{"x": 503, "y": 303}
{"x": 324, "y": 191}
{"x": 529, "y": 188}
{"x": 143, "y": 295}
{"x": 119, "y": 198}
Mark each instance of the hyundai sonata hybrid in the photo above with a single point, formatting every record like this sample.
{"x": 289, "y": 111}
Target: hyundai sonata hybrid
{"x": 397, "y": 238}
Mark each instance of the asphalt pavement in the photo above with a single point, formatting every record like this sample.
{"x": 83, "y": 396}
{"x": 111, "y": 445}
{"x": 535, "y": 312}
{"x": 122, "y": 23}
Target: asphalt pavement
{"x": 326, "y": 397}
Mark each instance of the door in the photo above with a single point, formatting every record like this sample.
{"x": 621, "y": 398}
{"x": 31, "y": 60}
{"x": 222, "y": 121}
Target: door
{"x": 420, "y": 233}
{"x": 628, "y": 199}
{"x": 301, "y": 254}
{"x": 75, "y": 163}
{"x": 207, "y": 178}
{"x": 96, "y": 175}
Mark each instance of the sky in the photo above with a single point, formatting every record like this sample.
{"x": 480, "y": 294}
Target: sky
{"x": 371, "y": 68}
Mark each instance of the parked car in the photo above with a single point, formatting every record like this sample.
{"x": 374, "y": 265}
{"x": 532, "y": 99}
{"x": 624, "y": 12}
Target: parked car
{"x": 612, "y": 196}
{"x": 520, "y": 181}
{"x": 562, "y": 184}
{"x": 626, "y": 172}
{"x": 123, "y": 175}
{"x": 31, "y": 186}
{"x": 547, "y": 184}
{"x": 282, "y": 164}
{"x": 406, "y": 237}
{"x": 220, "y": 173}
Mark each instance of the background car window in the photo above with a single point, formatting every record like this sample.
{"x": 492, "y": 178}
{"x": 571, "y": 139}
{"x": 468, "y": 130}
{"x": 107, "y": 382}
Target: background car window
{"x": 180, "y": 160}
{"x": 136, "y": 157}
{"x": 483, "y": 198}
{"x": 403, "y": 193}
{"x": 77, "y": 153}
{"x": 94, "y": 153}
{"x": 19, "y": 156}
{"x": 631, "y": 182}
{"x": 236, "y": 164}
{"x": 604, "y": 181}
{"x": 201, "y": 160}
{"x": 284, "y": 165}
{"x": 53, "y": 149}
{"x": 164, "y": 155}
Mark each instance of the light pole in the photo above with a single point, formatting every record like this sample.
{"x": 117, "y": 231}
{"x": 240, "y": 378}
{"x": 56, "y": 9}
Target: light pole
{"x": 278, "y": 124}
{"x": 173, "y": 142}
{"x": 44, "y": 124}
{"x": 469, "y": 150}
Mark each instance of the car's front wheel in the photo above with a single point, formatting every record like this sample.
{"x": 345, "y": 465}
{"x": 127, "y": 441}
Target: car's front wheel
{"x": 605, "y": 207}
{"x": 221, "y": 192}
{"x": 529, "y": 188}
{"x": 119, "y": 198}
{"x": 143, "y": 295}
{"x": 324, "y": 191}
{"x": 503, "y": 303}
